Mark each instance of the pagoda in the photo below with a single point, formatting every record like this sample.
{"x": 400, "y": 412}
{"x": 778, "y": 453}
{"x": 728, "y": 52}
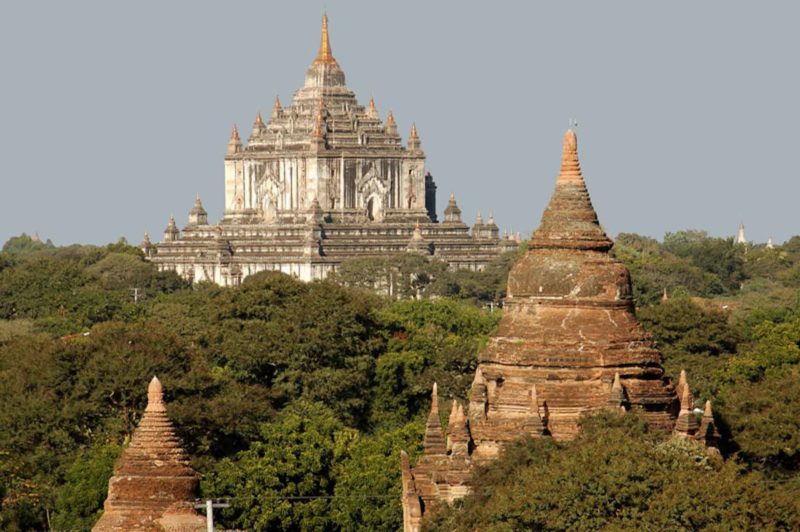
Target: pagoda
{"x": 568, "y": 344}
{"x": 322, "y": 180}
{"x": 153, "y": 487}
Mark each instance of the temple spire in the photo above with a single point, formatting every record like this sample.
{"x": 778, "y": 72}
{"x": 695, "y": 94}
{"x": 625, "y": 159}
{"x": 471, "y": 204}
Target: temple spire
{"x": 372, "y": 111}
{"x": 414, "y": 143}
{"x": 570, "y": 165}
{"x": 155, "y": 396}
{"x": 434, "y": 442}
{"x": 276, "y": 107}
{"x": 570, "y": 221}
{"x": 740, "y": 238}
{"x": 235, "y": 143}
{"x": 325, "y": 56}
{"x": 391, "y": 126}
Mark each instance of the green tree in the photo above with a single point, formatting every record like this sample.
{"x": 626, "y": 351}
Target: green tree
{"x": 274, "y": 483}
{"x": 616, "y": 476}
{"x": 429, "y": 341}
{"x": 79, "y": 501}
{"x": 368, "y": 486}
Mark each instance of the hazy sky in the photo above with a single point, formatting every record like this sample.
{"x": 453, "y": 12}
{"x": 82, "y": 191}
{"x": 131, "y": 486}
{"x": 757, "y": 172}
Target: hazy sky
{"x": 114, "y": 114}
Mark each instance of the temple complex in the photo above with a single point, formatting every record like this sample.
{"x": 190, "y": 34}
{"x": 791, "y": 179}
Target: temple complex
{"x": 322, "y": 180}
{"x": 568, "y": 344}
{"x": 153, "y": 486}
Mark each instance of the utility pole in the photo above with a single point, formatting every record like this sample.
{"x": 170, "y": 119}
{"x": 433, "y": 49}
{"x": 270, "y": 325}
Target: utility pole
{"x": 209, "y": 506}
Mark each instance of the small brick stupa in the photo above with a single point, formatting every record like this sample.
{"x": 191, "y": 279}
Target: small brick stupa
{"x": 153, "y": 484}
{"x": 568, "y": 343}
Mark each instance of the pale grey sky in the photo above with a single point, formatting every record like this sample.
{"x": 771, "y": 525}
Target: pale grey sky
{"x": 114, "y": 114}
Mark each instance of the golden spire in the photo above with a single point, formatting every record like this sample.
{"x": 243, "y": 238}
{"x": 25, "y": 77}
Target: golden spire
{"x": 277, "y": 105}
{"x": 372, "y": 104}
{"x": 570, "y": 165}
{"x": 390, "y": 119}
{"x": 324, "y": 56}
{"x": 235, "y": 133}
{"x": 413, "y": 131}
{"x": 259, "y": 121}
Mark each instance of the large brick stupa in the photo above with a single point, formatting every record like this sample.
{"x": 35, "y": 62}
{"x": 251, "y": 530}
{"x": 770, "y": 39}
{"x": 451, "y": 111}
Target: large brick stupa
{"x": 568, "y": 344}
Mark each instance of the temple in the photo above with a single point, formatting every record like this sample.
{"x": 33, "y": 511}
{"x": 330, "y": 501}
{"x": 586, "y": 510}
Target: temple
{"x": 153, "y": 487}
{"x": 323, "y": 180}
{"x": 568, "y": 344}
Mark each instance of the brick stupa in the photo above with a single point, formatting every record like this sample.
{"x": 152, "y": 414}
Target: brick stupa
{"x": 153, "y": 484}
{"x": 568, "y": 343}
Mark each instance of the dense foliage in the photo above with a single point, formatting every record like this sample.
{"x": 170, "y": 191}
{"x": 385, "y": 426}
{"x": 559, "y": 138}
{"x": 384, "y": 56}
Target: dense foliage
{"x": 294, "y": 399}
{"x": 323, "y": 385}
{"x": 616, "y": 476}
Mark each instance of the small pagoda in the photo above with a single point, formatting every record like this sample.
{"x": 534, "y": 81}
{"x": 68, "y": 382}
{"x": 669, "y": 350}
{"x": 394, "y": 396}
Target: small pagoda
{"x": 153, "y": 486}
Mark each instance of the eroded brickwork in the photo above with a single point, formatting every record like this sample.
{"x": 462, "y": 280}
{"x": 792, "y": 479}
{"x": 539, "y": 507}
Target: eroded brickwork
{"x": 153, "y": 487}
{"x": 568, "y": 343}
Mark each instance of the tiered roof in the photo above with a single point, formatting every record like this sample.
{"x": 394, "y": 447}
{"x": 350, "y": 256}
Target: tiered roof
{"x": 347, "y": 124}
{"x": 153, "y": 484}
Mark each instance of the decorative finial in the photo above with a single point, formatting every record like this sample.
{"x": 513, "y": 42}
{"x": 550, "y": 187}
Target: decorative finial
{"x": 390, "y": 119}
{"x": 235, "y": 133}
{"x": 435, "y": 400}
{"x": 570, "y": 165}
{"x": 259, "y": 121}
{"x": 277, "y": 105}
{"x": 413, "y": 134}
{"x": 155, "y": 396}
{"x": 325, "y": 56}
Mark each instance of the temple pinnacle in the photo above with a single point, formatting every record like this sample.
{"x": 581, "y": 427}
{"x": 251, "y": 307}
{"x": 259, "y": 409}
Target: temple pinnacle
{"x": 155, "y": 396}
{"x": 235, "y": 133}
{"x": 325, "y": 56}
{"x": 570, "y": 165}
{"x": 390, "y": 119}
{"x": 259, "y": 121}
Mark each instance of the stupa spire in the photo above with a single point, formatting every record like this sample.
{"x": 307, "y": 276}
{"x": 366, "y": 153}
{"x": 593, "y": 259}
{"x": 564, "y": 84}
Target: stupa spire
{"x": 325, "y": 56}
{"x": 434, "y": 442}
{"x": 391, "y": 126}
{"x": 570, "y": 220}
{"x": 372, "y": 111}
{"x": 570, "y": 165}
{"x": 740, "y": 238}
{"x": 276, "y": 107}
{"x": 235, "y": 143}
{"x": 413, "y": 138}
